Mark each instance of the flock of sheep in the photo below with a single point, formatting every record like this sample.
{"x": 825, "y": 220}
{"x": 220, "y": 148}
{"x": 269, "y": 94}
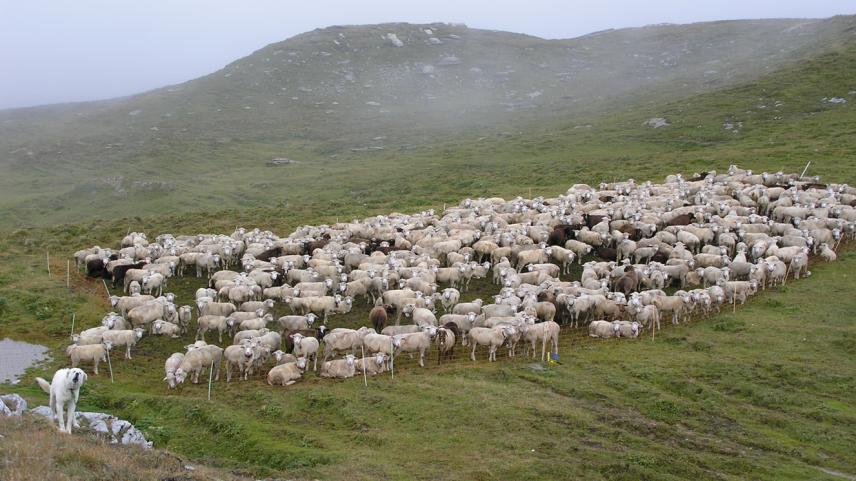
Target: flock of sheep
{"x": 717, "y": 238}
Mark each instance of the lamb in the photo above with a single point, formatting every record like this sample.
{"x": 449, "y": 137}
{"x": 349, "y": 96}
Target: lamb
{"x": 306, "y": 347}
{"x": 605, "y": 329}
{"x": 417, "y": 341}
{"x": 466, "y": 307}
{"x": 166, "y": 328}
{"x": 241, "y": 356}
{"x": 339, "y": 368}
{"x": 92, "y": 352}
{"x": 286, "y": 374}
{"x": 198, "y": 359}
{"x": 210, "y": 323}
{"x": 493, "y": 338}
{"x": 170, "y": 366}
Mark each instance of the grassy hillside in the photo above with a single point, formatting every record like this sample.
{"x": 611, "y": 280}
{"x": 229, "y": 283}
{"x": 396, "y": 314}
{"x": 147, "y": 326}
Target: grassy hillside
{"x": 520, "y": 120}
{"x": 763, "y": 393}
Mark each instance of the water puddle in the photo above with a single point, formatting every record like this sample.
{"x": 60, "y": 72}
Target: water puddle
{"x": 16, "y": 356}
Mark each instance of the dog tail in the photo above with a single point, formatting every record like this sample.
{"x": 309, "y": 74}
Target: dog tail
{"x": 46, "y": 386}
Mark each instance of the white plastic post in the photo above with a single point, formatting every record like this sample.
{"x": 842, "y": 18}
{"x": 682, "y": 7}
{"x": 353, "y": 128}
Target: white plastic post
{"x": 210, "y": 376}
{"x": 110, "y": 365}
{"x": 805, "y": 170}
{"x": 72, "y": 324}
{"x": 391, "y": 358}
{"x": 365, "y": 378}
{"x": 48, "y": 255}
{"x": 67, "y": 273}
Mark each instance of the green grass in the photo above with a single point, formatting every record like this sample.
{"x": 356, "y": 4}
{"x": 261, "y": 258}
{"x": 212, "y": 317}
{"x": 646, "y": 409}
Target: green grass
{"x": 763, "y": 393}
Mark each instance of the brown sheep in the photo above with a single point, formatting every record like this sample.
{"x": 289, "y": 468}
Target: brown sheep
{"x": 378, "y": 316}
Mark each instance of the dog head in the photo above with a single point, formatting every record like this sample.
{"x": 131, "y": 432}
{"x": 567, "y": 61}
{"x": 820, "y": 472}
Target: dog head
{"x": 76, "y": 377}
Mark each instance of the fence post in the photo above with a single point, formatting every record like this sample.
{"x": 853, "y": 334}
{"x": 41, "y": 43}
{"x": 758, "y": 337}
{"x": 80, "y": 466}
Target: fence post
{"x": 109, "y": 364}
{"x": 210, "y": 376}
{"x": 391, "y": 357}
{"x": 48, "y": 255}
{"x": 72, "y": 323}
{"x": 67, "y": 273}
{"x": 105, "y": 288}
{"x": 365, "y": 378}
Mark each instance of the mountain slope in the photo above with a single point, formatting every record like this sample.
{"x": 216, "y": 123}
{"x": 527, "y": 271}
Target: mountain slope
{"x": 317, "y": 97}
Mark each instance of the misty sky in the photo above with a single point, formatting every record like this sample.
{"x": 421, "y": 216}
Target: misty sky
{"x": 68, "y": 51}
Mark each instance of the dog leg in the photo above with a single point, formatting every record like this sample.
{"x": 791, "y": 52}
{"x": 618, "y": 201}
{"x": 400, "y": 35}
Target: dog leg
{"x": 71, "y": 420}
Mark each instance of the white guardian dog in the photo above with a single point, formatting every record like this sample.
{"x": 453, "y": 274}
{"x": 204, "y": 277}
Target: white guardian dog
{"x": 64, "y": 388}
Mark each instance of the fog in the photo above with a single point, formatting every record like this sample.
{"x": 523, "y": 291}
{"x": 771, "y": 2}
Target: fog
{"x": 57, "y": 51}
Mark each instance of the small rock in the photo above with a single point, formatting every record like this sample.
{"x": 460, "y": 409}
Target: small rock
{"x": 190, "y": 468}
{"x": 537, "y": 367}
{"x": 12, "y": 405}
{"x": 449, "y": 61}
{"x": 44, "y": 411}
{"x": 656, "y": 122}
{"x": 134, "y": 112}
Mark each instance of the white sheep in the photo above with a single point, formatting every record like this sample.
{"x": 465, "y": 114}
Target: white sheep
{"x": 242, "y": 356}
{"x": 92, "y": 352}
{"x": 173, "y": 363}
{"x": 417, "y": 341}
{"x": 420, "y": 315}
{"x": 339, "y": 368}
{"x": 166, "y": 328}
{"x": 210, "y": 323}
{"x": 127, "y": 338}
{"x": 605, "y": 329}
{"x": 196, "y": 360}
{"x": 449, "y": 298}
{"x": 372, "y": 366}
{"x": 306, "y": 347}
{"x": 185, "y": 315}
{"x": 287, "y": 373}
{"x": 493, "y": 338}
